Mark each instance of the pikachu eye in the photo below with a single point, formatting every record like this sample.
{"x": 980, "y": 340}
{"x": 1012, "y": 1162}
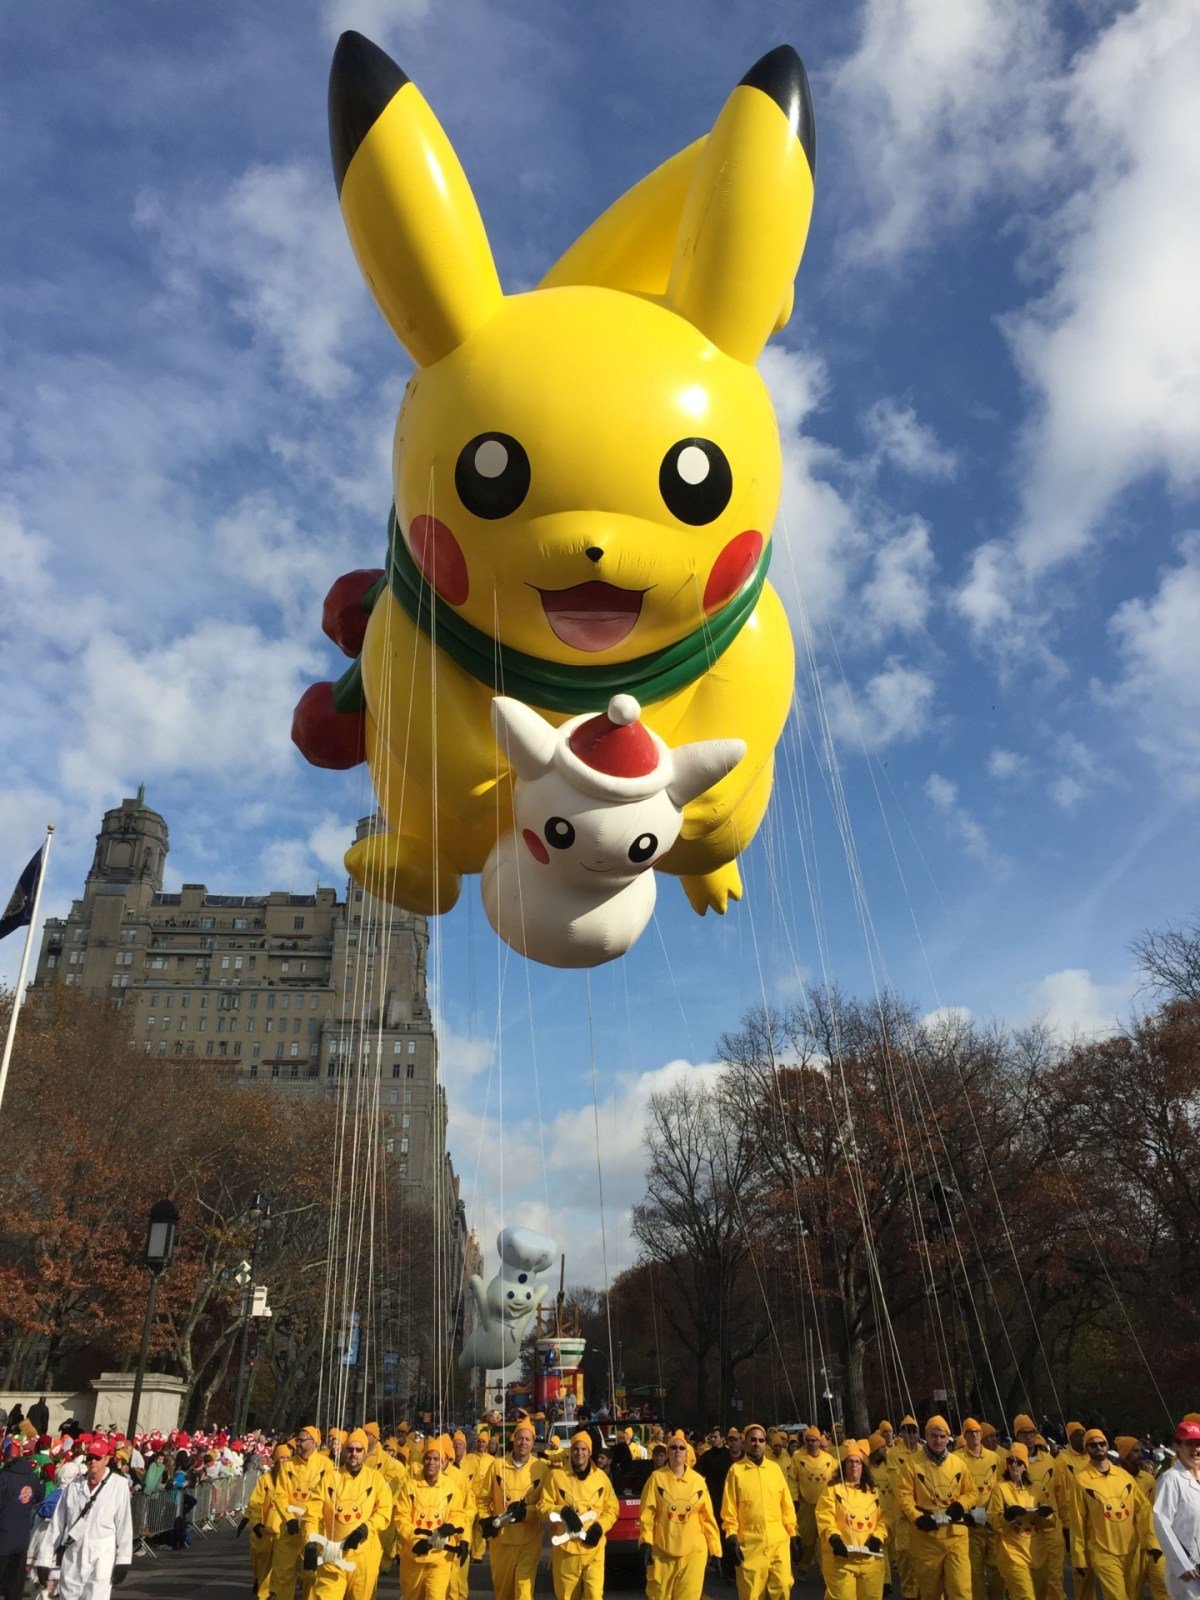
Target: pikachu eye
{"x": 695, "y": 481}
{"x": 642, "y": 848}
{"x": 559, "y": 833}
{"x": 492, "y": 475}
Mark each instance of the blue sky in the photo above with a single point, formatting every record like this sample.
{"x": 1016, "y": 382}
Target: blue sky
{"x": 988, "y": 393}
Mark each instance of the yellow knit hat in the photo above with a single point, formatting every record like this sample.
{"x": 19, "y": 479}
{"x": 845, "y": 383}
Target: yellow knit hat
{"x": 1022, "y": 1423}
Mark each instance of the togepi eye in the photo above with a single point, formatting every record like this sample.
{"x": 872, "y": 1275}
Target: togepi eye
{"x": 643, "y": 847}
{"x": 695, "y": 481}
{"x": 559, "y": 833}
{"x": 492, "y": 475}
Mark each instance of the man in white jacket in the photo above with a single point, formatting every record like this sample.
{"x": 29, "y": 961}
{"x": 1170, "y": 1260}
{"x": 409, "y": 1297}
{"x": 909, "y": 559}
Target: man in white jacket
{"x": 1177, "y": 1514}
{"x": 92, "y": 1521}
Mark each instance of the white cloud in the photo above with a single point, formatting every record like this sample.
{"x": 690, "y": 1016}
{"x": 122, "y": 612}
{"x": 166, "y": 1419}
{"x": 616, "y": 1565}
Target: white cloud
{"x": 893, "y": 705}
{"x": 959, "y": 822}
{"x": 900, "y": 438}
{"x": 547, "y": 1175}
{"x": 1158, "y": 642}
{"x": 1074, "y": 1004}
{"x": 216, "y": 699}
{"x": 1112, "y": 352}
{"x": 1007, "y": 765}
{"x": 946, "y": 1019}
{"x": 896, "y": 597}
{"x": 947, "y": 104}
{"x": 315, "y": 858}
{"x": 274, "y": 243}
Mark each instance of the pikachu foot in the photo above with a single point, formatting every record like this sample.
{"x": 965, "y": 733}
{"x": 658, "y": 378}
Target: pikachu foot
{"x": 404, "y": 872}
{"x": 712, "y": 891}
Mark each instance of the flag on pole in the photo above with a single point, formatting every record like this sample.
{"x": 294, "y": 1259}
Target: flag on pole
{"x": 19, "y": 911}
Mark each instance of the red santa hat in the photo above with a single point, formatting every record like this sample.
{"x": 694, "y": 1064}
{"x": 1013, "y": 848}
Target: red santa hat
{"x": 612, "y": 755}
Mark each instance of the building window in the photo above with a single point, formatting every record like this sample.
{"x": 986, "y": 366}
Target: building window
{"x": 166, "y": 1023}
{"x": 256, "y": 1052}
{"x": 274, "y": 1069}
{"x": 162, "y": 1049}
{"x": 76, "y": 957}
{"x": 412, "y": 1047}
{"x": 224, "y": 963}
{"x": 201, "y": 1024}
{"x": 312, "y": 1069}
{"x": 304, "y": 966}
{"x": 314, "y": 1049}
{"x": 208, "y": 1049}
{"x": 393, "y": 1097}
{"x": 405, "y": 1120}
{"x": 178, "y": 1050}
{"x": 284, "y": 999}
{"x": 286, "y": 967}
{"x": 220, "y": 1024}
{"x": 149, "y": 1024}
{"x": 239, "y": 923}
{"x": 121, "y": 981}
{"x": 249, "y": 1024}
{"x": 182, "y": 1024}
{"x": 410, "y": 1071}
{"x": 404, "y": 1147}
{"x": 237, "y": 963}
{"x": 208, "y": 922}
{"x": 51, "y": 961}
{"x": 124, "y": 958}
{"x": 389, "y": 1145}
{"x": 294, "y": 1070}
{"x": 223, "y": 1048}
{"x": 203, "y": 999}
{"x": 297, "y": 922}
{"x": 148, "y": 1047}
{"x": 295, "y": 1050}
{"x": 398, "y": 1048}
{"x": 270, "y": 1002}
{"x": 79, "y": 933}
{"x": 253, "y": 959}
{"x": 185, "y": 999}
{"x": 270, "y": 1025}
{"x": 408, "y": 1097}
{"x": 237, "y": 1047}
{"x": 254, "y": 1069}
{"x": 296, "y": 1025}
{"x": 312, "y": 1004}
{"x": 127, "y": 935}
{"x": 158, "y": 963}
{"x": 396, "y": 1070}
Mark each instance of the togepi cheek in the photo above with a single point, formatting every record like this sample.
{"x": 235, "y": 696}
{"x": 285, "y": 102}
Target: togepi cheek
{"x": 440, "y": 558}
{"x": 732, "y": 567}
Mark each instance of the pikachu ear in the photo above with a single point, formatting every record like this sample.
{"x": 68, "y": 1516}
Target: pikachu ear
{"x": 747, "y": 211}
{"x": 409, "y": 210}
{"x": 631, "y": 246}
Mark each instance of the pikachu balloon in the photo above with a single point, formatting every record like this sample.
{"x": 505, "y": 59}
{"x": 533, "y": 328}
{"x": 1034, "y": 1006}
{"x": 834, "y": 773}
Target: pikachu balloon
{"x": 585, "y": 478}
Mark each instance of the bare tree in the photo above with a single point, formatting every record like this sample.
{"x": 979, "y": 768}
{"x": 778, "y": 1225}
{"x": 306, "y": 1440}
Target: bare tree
{"x": 1169, "y": 959}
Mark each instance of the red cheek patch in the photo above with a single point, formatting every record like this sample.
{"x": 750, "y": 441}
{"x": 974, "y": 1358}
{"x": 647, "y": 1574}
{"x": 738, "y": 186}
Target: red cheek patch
{"x": 439, "y": 555}
{"x": 731, "y": 568}
{"x": 535, "y": 846}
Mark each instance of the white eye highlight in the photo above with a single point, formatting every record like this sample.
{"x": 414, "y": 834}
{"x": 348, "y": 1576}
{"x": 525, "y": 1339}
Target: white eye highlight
{"x": 491, "y": 459}
{"x": 692, "y": 465}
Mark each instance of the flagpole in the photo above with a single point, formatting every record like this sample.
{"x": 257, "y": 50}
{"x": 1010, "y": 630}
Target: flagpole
{"x": 19, "y": 995}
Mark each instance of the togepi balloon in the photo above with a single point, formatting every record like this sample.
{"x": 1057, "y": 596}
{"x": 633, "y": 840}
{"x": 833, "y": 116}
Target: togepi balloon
{"x": 597, "y": 803}
{"x": 585, "y": 478}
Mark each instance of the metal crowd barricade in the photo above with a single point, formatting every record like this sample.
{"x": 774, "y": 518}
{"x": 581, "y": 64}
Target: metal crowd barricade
{"x": 156, "y": 1514}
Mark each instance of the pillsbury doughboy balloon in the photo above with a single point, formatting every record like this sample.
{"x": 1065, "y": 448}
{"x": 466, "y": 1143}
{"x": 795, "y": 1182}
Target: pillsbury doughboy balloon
{"x": 505, "y": 1307}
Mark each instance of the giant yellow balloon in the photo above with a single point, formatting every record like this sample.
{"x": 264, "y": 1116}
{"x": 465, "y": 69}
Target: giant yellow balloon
{"x": 585, "y": 478}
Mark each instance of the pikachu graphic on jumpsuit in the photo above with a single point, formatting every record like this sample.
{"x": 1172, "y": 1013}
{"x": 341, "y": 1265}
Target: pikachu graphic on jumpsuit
{"x": 585, "y": 478}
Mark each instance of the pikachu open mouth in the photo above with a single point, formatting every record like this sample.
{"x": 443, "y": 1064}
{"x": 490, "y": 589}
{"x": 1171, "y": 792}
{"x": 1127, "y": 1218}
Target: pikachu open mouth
{"x": 592, "y": 616}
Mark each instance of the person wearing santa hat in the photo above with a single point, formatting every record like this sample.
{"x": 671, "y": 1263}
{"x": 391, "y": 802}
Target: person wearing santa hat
{"x": 92, "y": 1530}
{"x": 580, "y": 1501}
{"x": 514, "y": 1527}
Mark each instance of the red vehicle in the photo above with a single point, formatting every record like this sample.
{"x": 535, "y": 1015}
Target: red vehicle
{"x": 622, "y": 1542}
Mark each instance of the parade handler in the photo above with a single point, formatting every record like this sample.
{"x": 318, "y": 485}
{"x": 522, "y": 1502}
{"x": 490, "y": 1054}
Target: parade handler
{"x": 1177, "y": 1513}
{"x": 92, "y": 1530}
{"x": 984, "y": 1467}
{"x": 850, "y": 1520}
{"x": 433, "y": 1527}
{"x": 354, "y": 1508}
{"x": 264, "y": 1523}
{"x": 300, "y": 1484}
{"x": 934, "y": 1493}
{"x": 579, "y": 1501}
{"x": 812, "y": 1468}
{"x": 677, "y": 1530}
{"x": 515, "y": 1525}
{"x": 758, "y": 1520}
{"x": 1023, "y": 1524}
{"x": 1110, "y": 1531}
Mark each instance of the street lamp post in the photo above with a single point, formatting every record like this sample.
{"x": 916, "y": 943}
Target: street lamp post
{"x": 160, "y": 1247}
{"x": 260, "y": 1211}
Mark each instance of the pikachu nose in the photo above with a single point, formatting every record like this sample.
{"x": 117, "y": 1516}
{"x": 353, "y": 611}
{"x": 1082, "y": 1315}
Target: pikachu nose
{"x": 593, "y": 552}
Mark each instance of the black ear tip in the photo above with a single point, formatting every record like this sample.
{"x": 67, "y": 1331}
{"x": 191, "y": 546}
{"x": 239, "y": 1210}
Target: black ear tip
{"x": 781, "y": 75}
{"x": 362, "y": 80}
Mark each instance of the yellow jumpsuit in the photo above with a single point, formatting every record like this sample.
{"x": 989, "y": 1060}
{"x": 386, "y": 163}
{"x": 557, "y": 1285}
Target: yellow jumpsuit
{"x": 941, "y": 1558}
{"x": 1154, "y": 1570}
{"x": 578, "y": 1569}
{"x": 897, "y": 1457}
{"x": 261, "y": 1544}
{"x": 1043, "y": 1480}
{"x": 854, "y": 1514}
{"x": 299, "y": 1483}
{"x": 1067, "y": 1464}
{"x": 517, "y": 1547}
{"x": 885, "y": 1474}
{"x": 395, "y": 1474}
{"x": 476, "y": 1466}
{"x": 348, "y": 1501}
{"x": 1022, "y": 1546}
{"x": 810, "y": 1479}
{"x": 421, "y": 1508}
{"x": 676, "y": 1520}
{"x": 985, "y": 1470}
{"x": 757, "y": 1510}
{"x": 1111, "y": 1530}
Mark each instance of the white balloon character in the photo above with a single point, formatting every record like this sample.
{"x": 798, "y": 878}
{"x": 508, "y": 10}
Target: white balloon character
{"x": 506, "y": 1306}
{"x": 596, "y": 802}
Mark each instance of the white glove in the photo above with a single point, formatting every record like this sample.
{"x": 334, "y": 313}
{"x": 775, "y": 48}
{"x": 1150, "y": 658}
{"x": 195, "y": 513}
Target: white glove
{"x": 978, "y": 1516}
